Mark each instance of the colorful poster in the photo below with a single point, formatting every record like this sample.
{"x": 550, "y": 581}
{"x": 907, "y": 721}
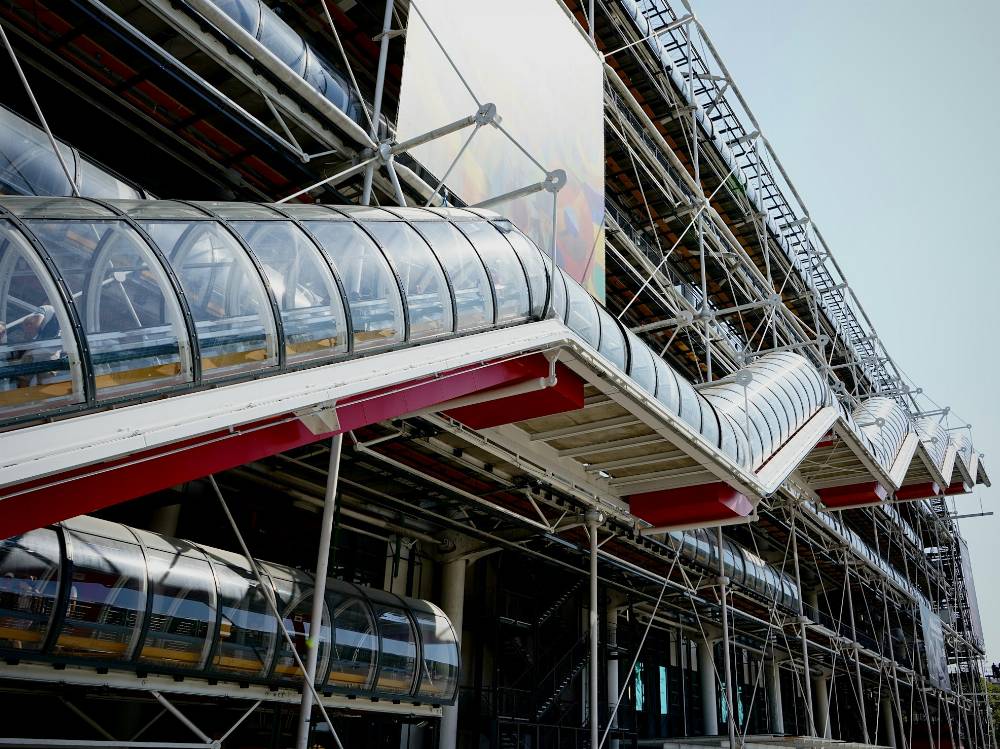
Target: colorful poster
{"x": 529, "y": 59}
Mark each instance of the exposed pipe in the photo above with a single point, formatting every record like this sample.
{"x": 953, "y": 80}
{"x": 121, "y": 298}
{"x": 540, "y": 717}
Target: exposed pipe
{"x": 593, "y": 519}
{"x": 319, "y": 592}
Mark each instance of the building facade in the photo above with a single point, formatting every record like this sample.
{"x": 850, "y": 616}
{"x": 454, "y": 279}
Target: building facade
{"x": 251, "y": 348}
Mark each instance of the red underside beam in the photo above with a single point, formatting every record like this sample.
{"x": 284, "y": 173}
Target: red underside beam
{"x": 565, "y": 395}
{"x": 690, "y": 505}
{"x": 54, "y": 498}
{"x": 869, "y": 493}
{"x": 918, "y": 491}
{"x": 958, "y": 487}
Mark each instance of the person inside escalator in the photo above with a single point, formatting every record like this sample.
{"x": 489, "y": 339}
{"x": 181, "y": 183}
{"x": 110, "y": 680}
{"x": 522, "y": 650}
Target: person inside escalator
{"x": 29, "y": 339}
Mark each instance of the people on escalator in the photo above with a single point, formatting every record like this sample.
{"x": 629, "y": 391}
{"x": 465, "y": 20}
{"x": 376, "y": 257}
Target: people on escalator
{"x": 29, "y": 339}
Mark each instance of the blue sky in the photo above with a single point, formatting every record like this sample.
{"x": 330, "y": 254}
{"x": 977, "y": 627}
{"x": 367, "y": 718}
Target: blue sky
{"x": 886, "y": 116}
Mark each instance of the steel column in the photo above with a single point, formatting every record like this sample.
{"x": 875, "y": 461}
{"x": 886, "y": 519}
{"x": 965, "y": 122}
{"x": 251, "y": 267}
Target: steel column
{"x": 319, "y": 590}
{"x": 453, "y": 604}
{"x": 726, "y": 665}
{"x": 593, "y": 518}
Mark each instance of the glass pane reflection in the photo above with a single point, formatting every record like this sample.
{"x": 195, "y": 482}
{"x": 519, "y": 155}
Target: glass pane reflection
{"x": 312, "y": 312}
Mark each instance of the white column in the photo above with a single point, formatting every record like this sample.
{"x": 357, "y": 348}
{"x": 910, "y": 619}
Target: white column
{"x": 886, "y": 724}
{"x": 772, "y": 680}
{"x": 453, "y": 605}
{"x": 709, "y": 701}
{"x": 319, "y": 590}
{"x": 821, "y": 696}
{"x": 593, "y": 519}
{"x": 613, "y": 685}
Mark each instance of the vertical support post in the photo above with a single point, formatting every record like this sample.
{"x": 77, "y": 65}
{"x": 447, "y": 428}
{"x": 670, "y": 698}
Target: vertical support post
{"x": 887, "y": 727}
{"x": 726, "y": 666}
{"x": 593, "y": 518}
{"x": 772, "y": 679}
{"x": 856, "y": 647}
{"x": 590, "y": 19}
{"x": 319, "y": 590}
{"x": 802, "y": 627}
{"x": 611, "y": 622}
{"x": 453, "y": 604}
{"x": 383, "y": 56}
{"x": 822, "y": 696}
{"x": 706, "y": 670}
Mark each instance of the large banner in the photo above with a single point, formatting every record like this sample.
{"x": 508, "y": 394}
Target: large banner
{"x": 528, "y": 58}
{"x": 933, "y": 636}
{"x": 970, "y": 590}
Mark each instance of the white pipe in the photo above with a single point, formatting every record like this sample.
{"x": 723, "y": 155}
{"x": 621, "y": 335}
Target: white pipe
{"x": 319, "y": 589}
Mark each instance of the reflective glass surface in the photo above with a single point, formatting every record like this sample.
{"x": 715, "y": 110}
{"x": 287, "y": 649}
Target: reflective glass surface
{"x": 231, "y": 310}
{"x": 612, "y": 345}
{"x": 439, "y": 671}
{"x": 28, "y": 165}
{"x": 582, "y": 317}
{"x": 107, "y": 597}
{"x": 182, "y": 611}
{"x": 534, "y": 267}
{"x": 371, "y": 288}
{"x": 29, "y": 585}
{"x": 509, "y": 282}
{"x": 428, "y": 301}
{"x": 355, "y": 638}
{"x": 641, "y": 368}
{"x": 37, "y": 349}
{"x": 298, "y": 623}
{"x": 312, "y": 311}
{"x": 129, "y": 312}
{"x": 247, "y": 630}
{"x": 469, "y": 281}
{"x": 397, "y": 667}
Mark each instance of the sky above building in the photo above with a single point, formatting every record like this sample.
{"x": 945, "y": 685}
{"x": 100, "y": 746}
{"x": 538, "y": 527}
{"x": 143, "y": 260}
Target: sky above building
{"x": 884, "y": 114}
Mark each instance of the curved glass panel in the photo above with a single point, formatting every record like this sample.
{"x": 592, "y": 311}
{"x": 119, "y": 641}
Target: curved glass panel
{"x": 182, "y": 611}
{"x": 428, "y": 300}
{"x": 97, "y": 183}
{"x": 509, "y": 282}
{"x": 129, "y": 312}
{"x": 231, "y": 310}
{"x": 582, "y": 317}
{"x": 612, "y": 345}
{"x": 640, "y": 365}
{"x": 312, "y": 312}
{"x": 28, "y": 165}
{"x": 355, "y": 638}
{"x": 666, "y": 386}
{"x": 371, "y": 288}
{"x": 107, "y": 595}
{"x": 58, "y": 208}
{"x": 39, "y": 364}
{"x": 282, "y": 40}
{"x": 295, "y": 596}
{"x": 559, "y": 300}
{"x": 29, "y": 586}
{"x": 534, "y": 267}
{"x": 469, "y": 281}
{"x": 690, "y": 408}
{"x": 245, "y": 12}
{"x": 247, "y": 630}
{"x": 439, "y": 648}
{"x": 397, "y": 667}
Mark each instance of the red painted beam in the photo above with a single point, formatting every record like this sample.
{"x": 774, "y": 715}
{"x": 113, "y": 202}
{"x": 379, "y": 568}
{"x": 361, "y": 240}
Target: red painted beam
{"x": 565, "y": 395}
{"x": 690, "y": 505}
{"x": 82, "y": 490}
{"x": 918, "y": 491}
{"x": 957, "y": 487}
{"x": 868, "y": 493}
